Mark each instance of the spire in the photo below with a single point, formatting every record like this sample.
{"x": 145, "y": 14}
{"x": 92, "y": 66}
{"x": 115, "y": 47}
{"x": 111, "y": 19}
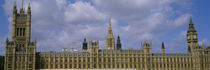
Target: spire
{"x": 191, "y": 26}
{"x": 163, "y": 51}
{"x": 191, "y": 20}
{"x": 29, "y": 8}
{"x": 163, "y": 47}
{"x": 15, "y": 8}
{"x": 29, "y": 5}
{"x": 7, "y": 39}
{"x": 118, "y": 39}
{"x": 22, "y": 4}
{"x": 22, "y": 9}
{"x": 110, "y": 27}
{"x": 15, "y": 4}
{"x": 110, "y": 20}
{"x": 85, "y": 40}
{"x": 85, "y": 47}
{"x": 110, "y": 40}
{"x": 118, "y": 43}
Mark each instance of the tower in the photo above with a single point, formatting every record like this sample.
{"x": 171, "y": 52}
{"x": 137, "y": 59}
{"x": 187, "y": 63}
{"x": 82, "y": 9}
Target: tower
{"x": 163, "y": 51}
{"x": 110, "y": 41}
{"x": 192, "y": 37}
{"x": 118, "y": 43}
{"x": 85, "y": 47}
{"x": 20, "y": 52}
{"x": 146, "y": 47}
{"x": 94, "y": 46}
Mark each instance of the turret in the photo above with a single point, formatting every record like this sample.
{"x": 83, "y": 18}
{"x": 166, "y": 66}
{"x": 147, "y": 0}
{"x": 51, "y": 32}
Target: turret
{"x": 163, "y": 48}
{"x": 15, "y": 9}
{"x": 118, "y": 43}
{"x": 14, "y": 21}
{"x": 84, "y": 47}
{"x": 146, "y": 47}
{"x": 29, "y": 12}
{"x": 7, "y": 40}
{"x": 192, "y": 37}
{"x": 28, "y": 23}
{"x": 93, "y": 46}
{"x": 29, "y": 8}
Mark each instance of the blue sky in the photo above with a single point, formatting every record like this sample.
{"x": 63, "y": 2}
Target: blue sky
{"x": 58, "y": 23}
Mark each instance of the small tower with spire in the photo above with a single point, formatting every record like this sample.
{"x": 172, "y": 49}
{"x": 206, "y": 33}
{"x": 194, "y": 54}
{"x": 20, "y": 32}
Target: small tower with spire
{"x": 110, "y": 41}
{"x": 192, "y": 37}
{"x": 163, "y": 51}
{"x": 85, "y": 47}
{"x": 118, "y": 43}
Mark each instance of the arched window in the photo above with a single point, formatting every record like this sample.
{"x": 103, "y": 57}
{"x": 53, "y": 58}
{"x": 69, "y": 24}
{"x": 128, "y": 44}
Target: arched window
{"x": 20, "y": 31}
{"x": 17, "y": 31}
{"x": 23, "y": 31}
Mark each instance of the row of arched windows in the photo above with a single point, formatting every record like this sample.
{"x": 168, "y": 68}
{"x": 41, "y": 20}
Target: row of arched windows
{"x": 20, "y": 48}
{"x": 20, "y": 31}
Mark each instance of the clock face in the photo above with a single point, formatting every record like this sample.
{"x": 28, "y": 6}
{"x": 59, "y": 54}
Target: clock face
{"x": 194, "y": 36}
{"x": 188, "y": 37}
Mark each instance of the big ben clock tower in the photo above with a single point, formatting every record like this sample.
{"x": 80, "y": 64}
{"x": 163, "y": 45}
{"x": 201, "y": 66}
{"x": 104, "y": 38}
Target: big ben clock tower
{"x": 192, "y": 37}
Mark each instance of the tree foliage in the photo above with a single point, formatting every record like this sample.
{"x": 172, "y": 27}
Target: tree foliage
{"x": 1, "y": 62}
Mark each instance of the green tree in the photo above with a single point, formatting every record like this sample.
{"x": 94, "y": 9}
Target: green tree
{"x": 1, "y": 62}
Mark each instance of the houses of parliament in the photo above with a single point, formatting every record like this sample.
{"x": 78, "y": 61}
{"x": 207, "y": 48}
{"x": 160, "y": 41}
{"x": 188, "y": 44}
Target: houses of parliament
{"x": 21, "y": 52}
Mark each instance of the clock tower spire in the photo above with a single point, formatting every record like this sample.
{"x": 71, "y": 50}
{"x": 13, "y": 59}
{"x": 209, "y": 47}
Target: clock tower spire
{"x": 192, "y": 37}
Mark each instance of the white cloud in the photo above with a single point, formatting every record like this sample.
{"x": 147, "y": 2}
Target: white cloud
{"x": 58, "y": 23}
{"x": 61, "y": 3}
{"x": 147, "y": 19}
{"x": 83, "y": 12}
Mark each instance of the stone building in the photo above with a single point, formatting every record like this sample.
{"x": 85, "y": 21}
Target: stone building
{"x": 21, "y": 53}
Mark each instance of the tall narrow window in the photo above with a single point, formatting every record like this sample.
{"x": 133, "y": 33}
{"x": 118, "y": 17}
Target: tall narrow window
{"x": 20, "y": 31}
{"x": 17, "y": 32}
{"x": 23, "y": 31}
{"x": 30, "y": 58}
{"x": 30, "y": 65}
{"x": 110, "y": 43}
{"x": 9, "y": 65}
{"x": 10, "y": 58}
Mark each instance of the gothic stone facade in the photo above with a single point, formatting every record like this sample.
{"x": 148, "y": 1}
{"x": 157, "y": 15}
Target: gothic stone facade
{"x": 21, "y": 53}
